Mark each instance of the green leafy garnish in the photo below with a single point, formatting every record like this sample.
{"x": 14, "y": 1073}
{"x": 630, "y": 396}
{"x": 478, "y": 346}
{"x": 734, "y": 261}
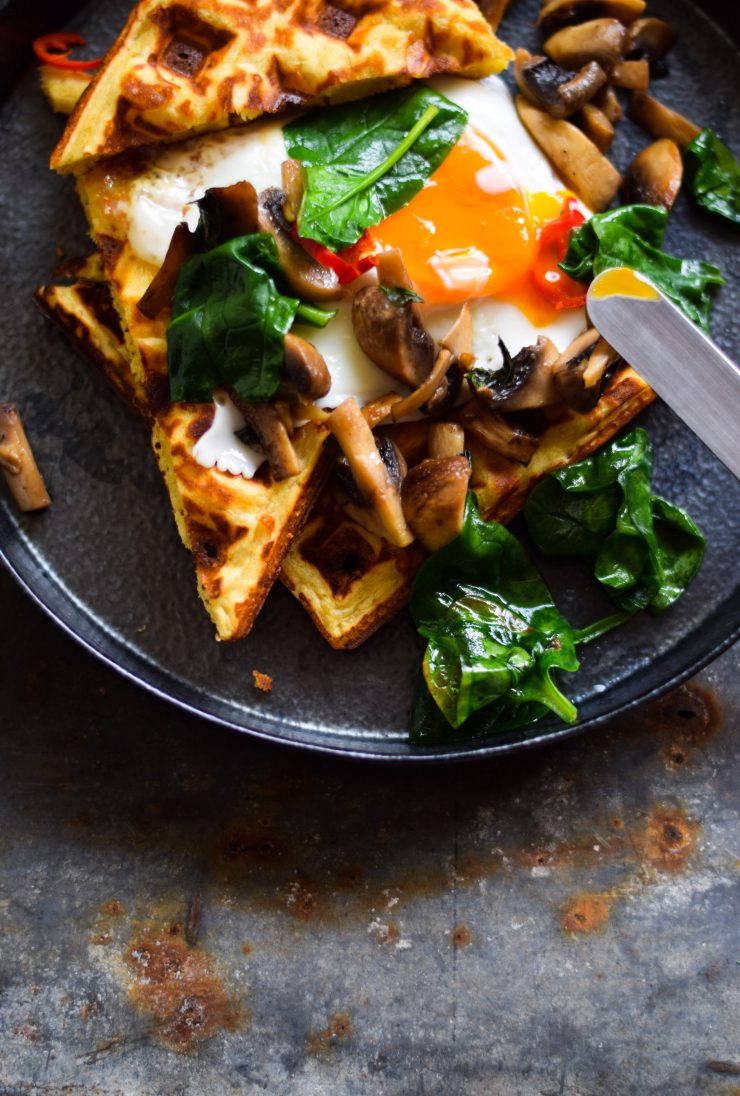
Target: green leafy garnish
{"x": 645, "y": 550}
{"x": 713, "y": 175}
{"x": 229, "y": 322}
{"x": 399, "y": 295}
{"x": 632, "y": 236}
{"x": 494, "y": 634}
{"x": 362, "y": 161}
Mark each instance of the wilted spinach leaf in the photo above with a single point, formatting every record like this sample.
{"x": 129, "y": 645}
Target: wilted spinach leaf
{"x": 645, "y": 550}
{"x": 364, "y": 160}
{"x": 632, "y": 236}
{"x": 713, "y": 175}
{"x": 229, "y": 322}
{"x": 494, "y": 634}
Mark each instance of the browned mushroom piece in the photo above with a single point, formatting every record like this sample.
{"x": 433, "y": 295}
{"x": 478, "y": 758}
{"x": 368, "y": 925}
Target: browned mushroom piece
{"x": 237, "y": 209}
{"x": 608, "y": 102}
{"x": 426, "y": 389}
{"x": 633, "y": 75}
{"x": 357, "y": 442}
{"x": 292, "y": 179}
{"x": 391, "y": 271}
{"x": 557, "y": 90}
{"x": 572, "y": 154}
{"x": 305, "y": 372}
{"x": 596, "y": 126}
{"x": 267, "y": 423}
{"x": 580, "y": 370}
{"x": 602, "y": 40}
{"x": 392, "y": 335}
{"x": 446, "y": 439}
{"x": 654, "y": 176}
{"x": 392, "y": 458}
{"x": 557, "y": 13}
{"x": 660, "y": 121}
{"x": 162, "y": 286}
{"x": 524, "y": 382}
{"x": 18, "y": 464}
{"x": 651, "y": 38}
{"x": 433, "y": 495}
{"x": 305, "y": 276}
{"x": 495, "y": 432}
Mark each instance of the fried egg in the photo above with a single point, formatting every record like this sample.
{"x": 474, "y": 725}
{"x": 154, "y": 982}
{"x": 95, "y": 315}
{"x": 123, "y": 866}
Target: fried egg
{"x": 469, "y": 235}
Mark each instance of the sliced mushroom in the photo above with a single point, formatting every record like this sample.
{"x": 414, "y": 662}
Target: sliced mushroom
{"x": 426, "y": 389}
{"x": 650, "y": 39}
{"x": 306, "y": 277}
{"x": 572, "y": 154}
{"x": 580, "y": 369}
{"x": 607, "y": 100}
{"x": 497, "y": 433}
{"x": 392, "y": 458}
{"x": 18, "y": 464}
{"x": 305, "y": 372}
{"x": 434, "y": 494}
{"x": 633, "y": 75}
{"x": 236, "y": 209}
{"x": 559, "y": 91}
{"x": 556, "y": 13}
{"x": 654, "y": 176}
{"x": 379, "y": 409}
{"x": 441, "y": 387}
{"x": 601, "y": 40}
{"x": 660, "y": 121}
{"x": 159, "y": 294}
{"x": 357, "y": 442}
{"x": 292, "y": 178}
{"x": 265, "y": 421}
{"x": 523, "y": 382}
{"x": 596, "y": 126}
{"x": 446, "y": 439}
{"x": 392, "y": 335}
{"x": 390, "y": 270}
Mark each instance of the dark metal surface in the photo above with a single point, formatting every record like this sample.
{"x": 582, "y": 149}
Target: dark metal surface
{"x": 184, "y": 911}
{"x": 106, "y": 560}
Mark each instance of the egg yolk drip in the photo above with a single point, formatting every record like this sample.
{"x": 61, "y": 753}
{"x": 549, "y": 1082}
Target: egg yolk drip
{"x": 472, "y": 231}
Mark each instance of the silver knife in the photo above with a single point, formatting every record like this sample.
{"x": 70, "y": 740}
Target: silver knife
{"x": 677, "y": 360}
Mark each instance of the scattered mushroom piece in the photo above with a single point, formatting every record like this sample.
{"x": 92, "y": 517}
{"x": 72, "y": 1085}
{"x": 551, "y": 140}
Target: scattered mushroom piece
{"x": 377, "y": 410}
{"x": 440, "y": 389}
{"x": 266, "y": 422}
{"x": 556, "y": 13}
{"x": 559, "y": 91}
{"x": 654, "y": 176}
{"x": 426, "y": 389}
{"x": 580, "y": 369}
{"x": 306, "y": 373}
{"x": 660, "y": 121}
{"x": 446, "y": 439}
{"x": 159, "y": 294}
{"x": 572, "y": 154}
{"x": 602, "y": 40}
{"x": 18, "y": 464}
{"x": 292, "y": 178}
{"x": 392, "y": 458}
{"x": 305, "y": 276}
{"x": 608, "y": 101}
{"x": 523, "y": 382}
{"x": 434, "y": 494}
{"x": 236, "y": 207}
{"x": 596, "y": 126}
{"x": 633, "y": 75}
{"x": 392, "y": 335}
{"x": 651, "y": 39}
{"x": 357, "y": 442}
{"x": 497, "y": 433}
{"x": 391, "y": 271}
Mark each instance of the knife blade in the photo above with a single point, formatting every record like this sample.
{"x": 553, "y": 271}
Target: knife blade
{"x": 679, "y": 362}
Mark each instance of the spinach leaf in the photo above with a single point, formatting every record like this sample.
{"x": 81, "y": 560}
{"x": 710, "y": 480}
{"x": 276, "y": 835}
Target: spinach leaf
{"x": 494, "y": 634}
{"x": 713, "y": 175}
{"x": 632, "y": 236}
{"x": 229, "y": 322}
{"x": 645, "y": 550}
{"x": 362, "y": 161}
{"x": 399, "y": 295}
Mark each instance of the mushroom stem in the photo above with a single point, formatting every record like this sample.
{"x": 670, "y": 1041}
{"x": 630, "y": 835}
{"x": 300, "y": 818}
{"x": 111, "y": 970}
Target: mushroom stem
{"x": 357, "y": 442}
{"x": 17, "y": 462}
{"x": 446, "y": 439}
{"x": 265, "y": 420}
{"x": 426, "y": 390}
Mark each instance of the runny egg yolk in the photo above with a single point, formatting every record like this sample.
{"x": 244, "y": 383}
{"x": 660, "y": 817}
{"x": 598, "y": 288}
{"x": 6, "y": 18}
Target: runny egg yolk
{"x": 472, "y": 231}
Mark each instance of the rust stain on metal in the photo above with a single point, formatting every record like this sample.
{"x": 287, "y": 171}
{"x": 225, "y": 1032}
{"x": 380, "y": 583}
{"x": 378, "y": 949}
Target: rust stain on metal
{"x": 686, "y": 719}
{"x": 586, "y": 914}
{"x": 670, "y": 839}
{"x": 27, "y": 1030}
{"x": 731, "y": 1069}
{"x": 113, "y": 908}
{"x": 101, "y": 939}
{"x": 178, "y": 986}
{"x": 389, "y": 933}
{"x": 461, "y": 936}
{"x": 192, "y": 921}
{"x": 337, "y": 1031}
{"x": 303, "y": 900}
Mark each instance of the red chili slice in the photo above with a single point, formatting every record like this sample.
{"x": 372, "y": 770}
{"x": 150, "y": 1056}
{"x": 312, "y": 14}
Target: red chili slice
{"x": 56, "y": 49}
{"x": 553, "y": 283}
{"x": 348, "y": 264}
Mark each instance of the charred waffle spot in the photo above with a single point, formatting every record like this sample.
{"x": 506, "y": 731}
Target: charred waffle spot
{"x": 98, "y": 300}
{"x": 267, "y": 549}
{"x": 336, "y": 22}
{"x": 206, "y": 546}
{"x": 586, "y": 914}
{"x": 157, "y": 391}
{"x": 186, "y": 42}
{"x": 109, "y": 247}
{"x": 183, "y": 56}
{"x": 343, "y": 557}
{"x": 337, "y": 1030}
{"x": 198, "y": 426}
{"x": 178, "y": 987}
{"x": 670, "y": 839}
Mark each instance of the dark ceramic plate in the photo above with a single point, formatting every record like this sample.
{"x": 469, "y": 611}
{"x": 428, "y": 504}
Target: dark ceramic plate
{"x": 105, "y": 560}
